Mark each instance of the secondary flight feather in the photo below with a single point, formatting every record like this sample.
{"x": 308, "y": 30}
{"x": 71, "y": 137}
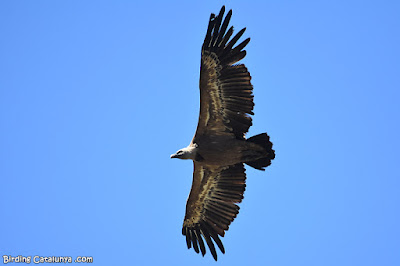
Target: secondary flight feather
{"x": 219, "y": 148}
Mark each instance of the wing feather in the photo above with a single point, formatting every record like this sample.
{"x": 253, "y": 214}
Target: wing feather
{"x": 193, "y": 237}
{"x": 200, "y": 239}
{"x": 223, "y": 28}
{"x": 226, "y": 93}
{"x": 204, "y": 229}
{"x": 211, "y": 207}
{"x": 226, "y": 37}
{"x": 228, "y": 49}
{"x": 217, "y": 23}
{"x": 207, "y": 39}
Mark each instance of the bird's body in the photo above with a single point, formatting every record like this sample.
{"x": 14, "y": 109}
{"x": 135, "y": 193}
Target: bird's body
{"x": 213, "y": 148}
{"x": 223, "y": 150}
{"x": 219, "y": 148}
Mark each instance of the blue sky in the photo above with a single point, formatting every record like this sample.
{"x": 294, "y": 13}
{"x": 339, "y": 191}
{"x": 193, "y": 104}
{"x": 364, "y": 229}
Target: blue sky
{"x": 95, "y": 96}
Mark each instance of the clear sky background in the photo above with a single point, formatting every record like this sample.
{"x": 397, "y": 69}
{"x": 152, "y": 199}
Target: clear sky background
{"x": 95, "y": 96}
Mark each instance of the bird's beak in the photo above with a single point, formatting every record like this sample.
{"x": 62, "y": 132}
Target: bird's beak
{"x": 174, "y": 156}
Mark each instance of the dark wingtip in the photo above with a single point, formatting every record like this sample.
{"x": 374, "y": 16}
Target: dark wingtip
{"x": 200, "y": 240}
{"x": 222, "y": 11}
{"x": 240, "y": 33}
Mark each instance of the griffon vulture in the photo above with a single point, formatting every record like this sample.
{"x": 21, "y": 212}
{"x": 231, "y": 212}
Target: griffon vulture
{"x": 219, "y": 147}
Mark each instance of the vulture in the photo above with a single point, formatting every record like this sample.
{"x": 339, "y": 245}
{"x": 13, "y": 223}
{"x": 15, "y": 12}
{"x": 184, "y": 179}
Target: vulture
{"x": 219, "y": 148}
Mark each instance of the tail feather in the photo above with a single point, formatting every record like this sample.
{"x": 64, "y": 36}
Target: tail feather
{"x": 262, "y": 140}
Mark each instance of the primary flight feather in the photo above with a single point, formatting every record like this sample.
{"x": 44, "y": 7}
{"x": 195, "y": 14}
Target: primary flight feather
{"x": 219, "y": 147}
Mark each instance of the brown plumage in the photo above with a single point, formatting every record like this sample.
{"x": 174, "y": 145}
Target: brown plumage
{"x": 219, "y": 147}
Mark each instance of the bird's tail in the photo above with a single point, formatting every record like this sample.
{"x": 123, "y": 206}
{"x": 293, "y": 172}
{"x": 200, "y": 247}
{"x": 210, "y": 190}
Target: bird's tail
{"x": 262, "y": 140}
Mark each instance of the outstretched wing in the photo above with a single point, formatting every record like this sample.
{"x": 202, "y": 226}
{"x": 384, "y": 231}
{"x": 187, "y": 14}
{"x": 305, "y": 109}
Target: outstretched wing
{"x": 226, "y": 98}
{"x": 211, "y": 205}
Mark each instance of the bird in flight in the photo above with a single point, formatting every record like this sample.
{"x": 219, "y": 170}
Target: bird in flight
{"x": 219, "y": 148}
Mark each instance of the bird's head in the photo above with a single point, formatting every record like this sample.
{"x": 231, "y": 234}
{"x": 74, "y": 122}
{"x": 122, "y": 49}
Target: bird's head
{"x": 185, "y": 153}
